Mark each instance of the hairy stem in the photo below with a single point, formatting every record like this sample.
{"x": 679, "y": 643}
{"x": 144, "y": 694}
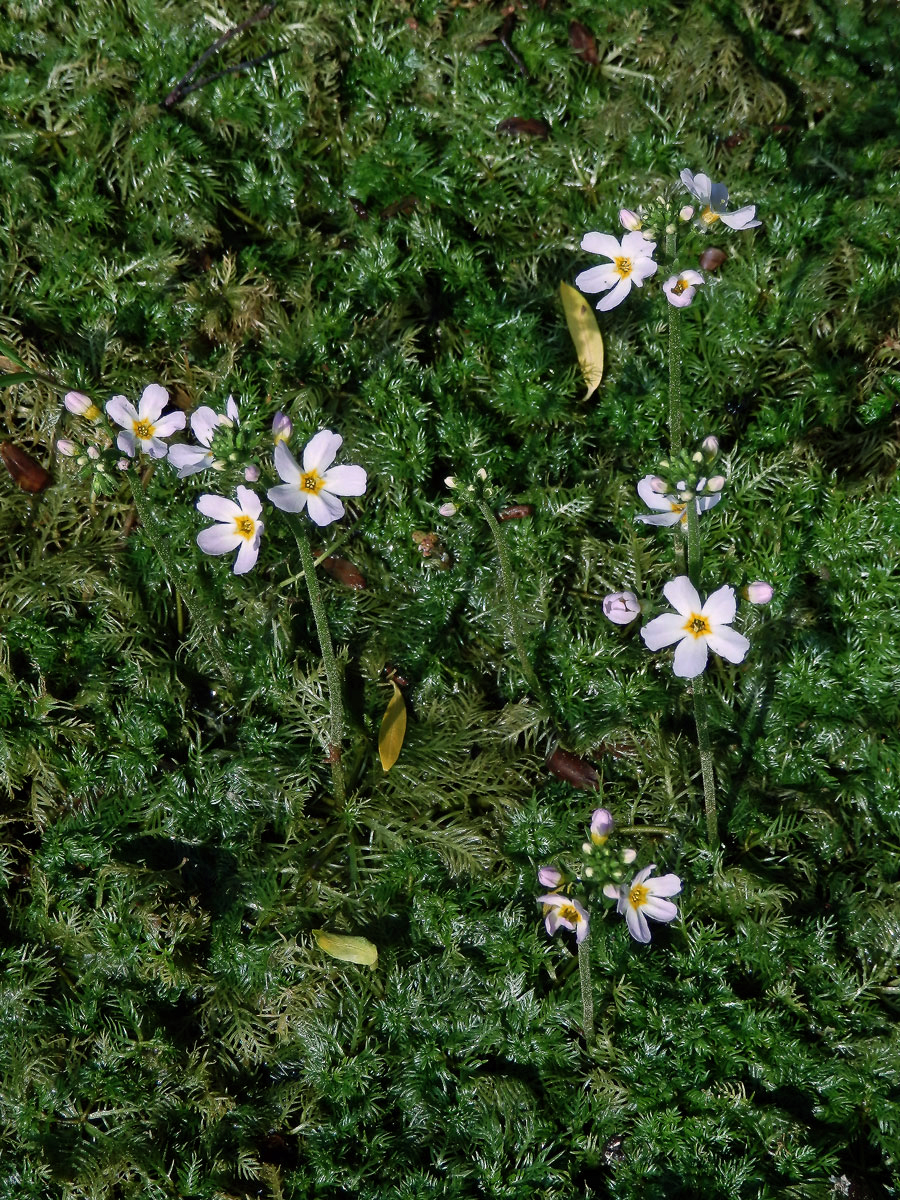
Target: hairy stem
{"x": 587, "y": 992}
{"x": 674, "y": 379}
{"x": 193, "y": 603}
{"x": 706, "y": 760}
{"x": 694, "y": 547}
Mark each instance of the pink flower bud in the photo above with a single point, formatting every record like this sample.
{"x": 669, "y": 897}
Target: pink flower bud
{"x": 282, "y": 427}
{"x": 630, "y": 220}
{"x": 759, "y": 592}
{"x": 78, "y": 403}
{"x": 66, "y": 448}
{"x": 93, "y": 453}
{"x": 686, "y": 213}
{"x": 658, "y": 485}
{"x": 621, "y": 607}
{"x": 628, "y": 856}
{"x": 549, "y": 877}
{"x": 251, "y": 473}
{"x": 716, "y": 483}
{"x": 123, "y": 464}
{"x": 601, "y": 825}
{"x": 710, "y": 446}
{"x": 447, "y": 510}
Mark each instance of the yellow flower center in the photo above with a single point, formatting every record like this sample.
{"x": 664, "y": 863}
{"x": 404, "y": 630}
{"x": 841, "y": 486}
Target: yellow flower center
{"x": 143, "y": 429}
{"x": 568, "y": 913}
{"x": 708, "y": 217}
{"x": 622, "y": 267}
{"x": 698, "y": 626}
{"x": 92, "y": 412}
{"x": 680, "y": 287}
{"x": 637, "y": 897}
{"x": 679, "y": 508}
{"x": 245, "y": 526}
{"x": 311, "y": 481}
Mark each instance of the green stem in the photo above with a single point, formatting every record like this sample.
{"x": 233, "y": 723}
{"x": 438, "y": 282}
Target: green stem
{"x": 508, "y": 580}
{"x": 674, "y": 379}
{"x": 587, "y": 992}
{"x": 163, "y": 548}
{"x": 694, "y": 547}
{"x": 706, "y": 760}
{"x": 335, "y": 688}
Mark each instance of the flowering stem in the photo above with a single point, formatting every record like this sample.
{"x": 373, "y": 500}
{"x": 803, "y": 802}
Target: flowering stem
{"x": 706, "y": 760}
{"x": 506, "y": 574}
{"x": 163, "y": 549}
{"x": 587, "y": 992}
{"x": 674, "y": 379}
{"x": 694, "y": 550}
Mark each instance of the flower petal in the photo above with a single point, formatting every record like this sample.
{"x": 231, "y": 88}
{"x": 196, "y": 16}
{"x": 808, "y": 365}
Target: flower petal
{"x": 682, "y": 595}
{"x": 616, "y": 296}
{"x": 154, "y": 399}
{"x": 654, "y": 500}
{"x": 602, "y": 243}
{"x": 287, "y": 496}
{"x": 690, "y": 657}
{"x": 190, "y": 459}
{"x": 345, "y": 481}
{"x": 154, "y": 447}
{"x": 718, "y": 195}
{"x": 596, "y": 279}
{"x": 693, "y": 277}
{"x": 666, "y": 885}
{"x": 720, "y": 607}
{"x": 246, "y": 560}
{"x": 168, "y": 424}
{"x": 635, "y": 245}
{"x": 727, "y": 642}
{"x": 220, "y": 508}
{"x": 231, "y": 409}
{"x": 218, "y": 539}
{"x": 204, "y": 423}
{"x": 324, "y": 508}
{"x": 670, "y": 518}
{"x": 641, "y": 269}
{"x": 321, "y": 450}
{"x": 705, "y": 503}
{"x": 287, "y": 468}
{"x": 659, "y": 910}
{"x": 637, "y": 924}
{"x": 663, "y": 631}
{"x": 121, "y": 411}
{"x": 126, "y": 443}
{"x": 249, "y": 501}
{"x": 741, "y": 218}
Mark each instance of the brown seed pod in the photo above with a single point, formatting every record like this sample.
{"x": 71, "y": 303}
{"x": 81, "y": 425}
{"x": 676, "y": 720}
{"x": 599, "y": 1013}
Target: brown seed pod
{"x": 712, "y": 258}
{"x": 515, "y": 512}
{"x": 527, "y": 126}
{"x": 583, "y": 43}
{"x": 27, "y": 473}
{"x": 577, "y": 771}
{"x": 344, "y": 571}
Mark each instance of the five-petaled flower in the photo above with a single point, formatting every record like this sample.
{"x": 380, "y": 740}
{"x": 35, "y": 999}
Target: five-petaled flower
{"x": 714, "y": 197}
{"x": 697, "y": 628}
{"x": 680, "y": 289}
{"x": 204, "y": 423}
{"x": 632, "y": 263}
{"x": 142, "y": 426}
{"x": 645, "y": 897}
{"x": 239, "y": 527}
{"x": 317, "y": 484}
{"x": 563, "y": 911}
{"x": 670, "y": 509}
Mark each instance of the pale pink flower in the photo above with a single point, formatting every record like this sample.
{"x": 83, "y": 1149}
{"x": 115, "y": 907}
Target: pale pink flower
{"x": 549, "y": 877}
{"x": 317, "y": 485}
{"x": 670, "y": 508}
{"x": 601, "y": 825}
{"x": 645, "y": 897}
{"x": 143, "y": 426}
{"x": 759, "y": 592}
{"x": 632, "y": 263}
{"x": 713, "y": 197}
{"x": 680, "y": 289}
{"x": 239, "y": 527}
{"x": 697, "y": 628}
{"x": 621, "y": 607}
{"x": 562, "y": 911}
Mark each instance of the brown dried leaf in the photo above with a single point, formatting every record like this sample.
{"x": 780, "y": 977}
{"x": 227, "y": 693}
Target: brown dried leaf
{"x": 574, "y": 770}
{"x": 524, "y": 127}
{"x": 515, "y": 512}
{"x": 344, "y": 571}
{"x": 26, "y": 471}
{"x": 583, "y": 43}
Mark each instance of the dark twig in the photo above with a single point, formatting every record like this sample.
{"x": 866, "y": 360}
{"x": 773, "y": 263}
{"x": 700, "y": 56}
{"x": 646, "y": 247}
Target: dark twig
{"x": 185, "y": 86}
{"x": 505, "y": 36}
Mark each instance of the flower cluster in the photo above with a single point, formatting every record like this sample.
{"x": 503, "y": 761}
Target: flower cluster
{"x": 604, "y": 870}
{"x": 632, "y": 259}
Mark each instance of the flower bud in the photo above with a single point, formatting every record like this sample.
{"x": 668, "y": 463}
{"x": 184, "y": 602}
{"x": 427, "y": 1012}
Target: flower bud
{"x": 716, "y": 483}
{"x": 282, "y": 427}
{"x": 601, "y": 825}
{"x": 658, "y": 485}
{"x": 759, "y": 592}
{"x": 589, "y": 872}
{"x": 78, "y": 403}
{"x": 710, "y": 446}
{"x": 686, "y": 495}
{"x": 93, "y": 453}
{"x": 630, "y": 220}
{"x": 587, "y": 847}
{"x": 697, "y": 457}
{"x": 670, "y": 228}
{"x": 123, "y": 464}
{"x": 251, "y": 473}
{"x": 621, "y": 607}
{"x": 66, "y": 448}
{"x": 482, "y": 474}
{"x": 450, "y": 481}
{"x": 549, "y": 877}
{"x": 687, "y": 212}
{"x": 628, "y": 856}
{"x": 447, "y": 510}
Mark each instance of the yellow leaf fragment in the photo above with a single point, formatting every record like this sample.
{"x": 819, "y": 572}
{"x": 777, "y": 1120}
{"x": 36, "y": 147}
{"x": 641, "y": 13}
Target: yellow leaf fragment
{"x": 585, "y": 334}
{"x": 393, "y": 729}
{"x": 347, "y": 949}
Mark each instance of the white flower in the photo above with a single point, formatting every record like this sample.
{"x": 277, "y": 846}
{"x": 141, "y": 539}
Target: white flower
{"x": 644, "y": 898}
{"x": 714, "y": 197}
{"x": 621, "y": 607}
{"x": 143, "y": 426}
{"x": 239, "y": 527}
{"x": 680, "y": 289}
{"x": 696, "y": 628}
{"x": 563, "y": 911}
{"x": 671, "y": 510}
{"x": 204, "y": 423}
{"x": 632, "y": 263}
{"x": 318, "y": 484}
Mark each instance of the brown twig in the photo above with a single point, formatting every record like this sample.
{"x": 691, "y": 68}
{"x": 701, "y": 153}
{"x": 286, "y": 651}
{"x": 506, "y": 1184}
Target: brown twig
{"x": 185, "y": 85}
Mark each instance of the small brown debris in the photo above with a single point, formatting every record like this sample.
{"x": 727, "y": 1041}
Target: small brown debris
{"x": 524, "y": 126}
{"x": 26, "y": 471}
{"x": 401, "y": 208}
{"x": 344, "y": 571}
{"x": 583, "y": 43}
{"x": 433, "y": 550}
{"x": 577, "y": 771}
{"x": 359, "y": 208}
{"x": 712, "y": 258}
{"x": 515, "y": 512}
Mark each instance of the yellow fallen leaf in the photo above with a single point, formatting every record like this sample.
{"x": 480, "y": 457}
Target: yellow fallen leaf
{"x": 584, "y": 333}
{"x": 393, "y": 729}
{"x": 347, "y": 949}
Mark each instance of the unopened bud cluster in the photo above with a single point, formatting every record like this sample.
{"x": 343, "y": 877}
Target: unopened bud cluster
{"x": 478, "y": 489}
{"x": 603, "y": 863}
{"x": 685, "y": 475}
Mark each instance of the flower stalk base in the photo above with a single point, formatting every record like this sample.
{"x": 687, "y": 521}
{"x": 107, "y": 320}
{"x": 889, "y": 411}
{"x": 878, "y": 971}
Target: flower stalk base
{"x": 706, "y": 760}
{"x": 587, "y": 992}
